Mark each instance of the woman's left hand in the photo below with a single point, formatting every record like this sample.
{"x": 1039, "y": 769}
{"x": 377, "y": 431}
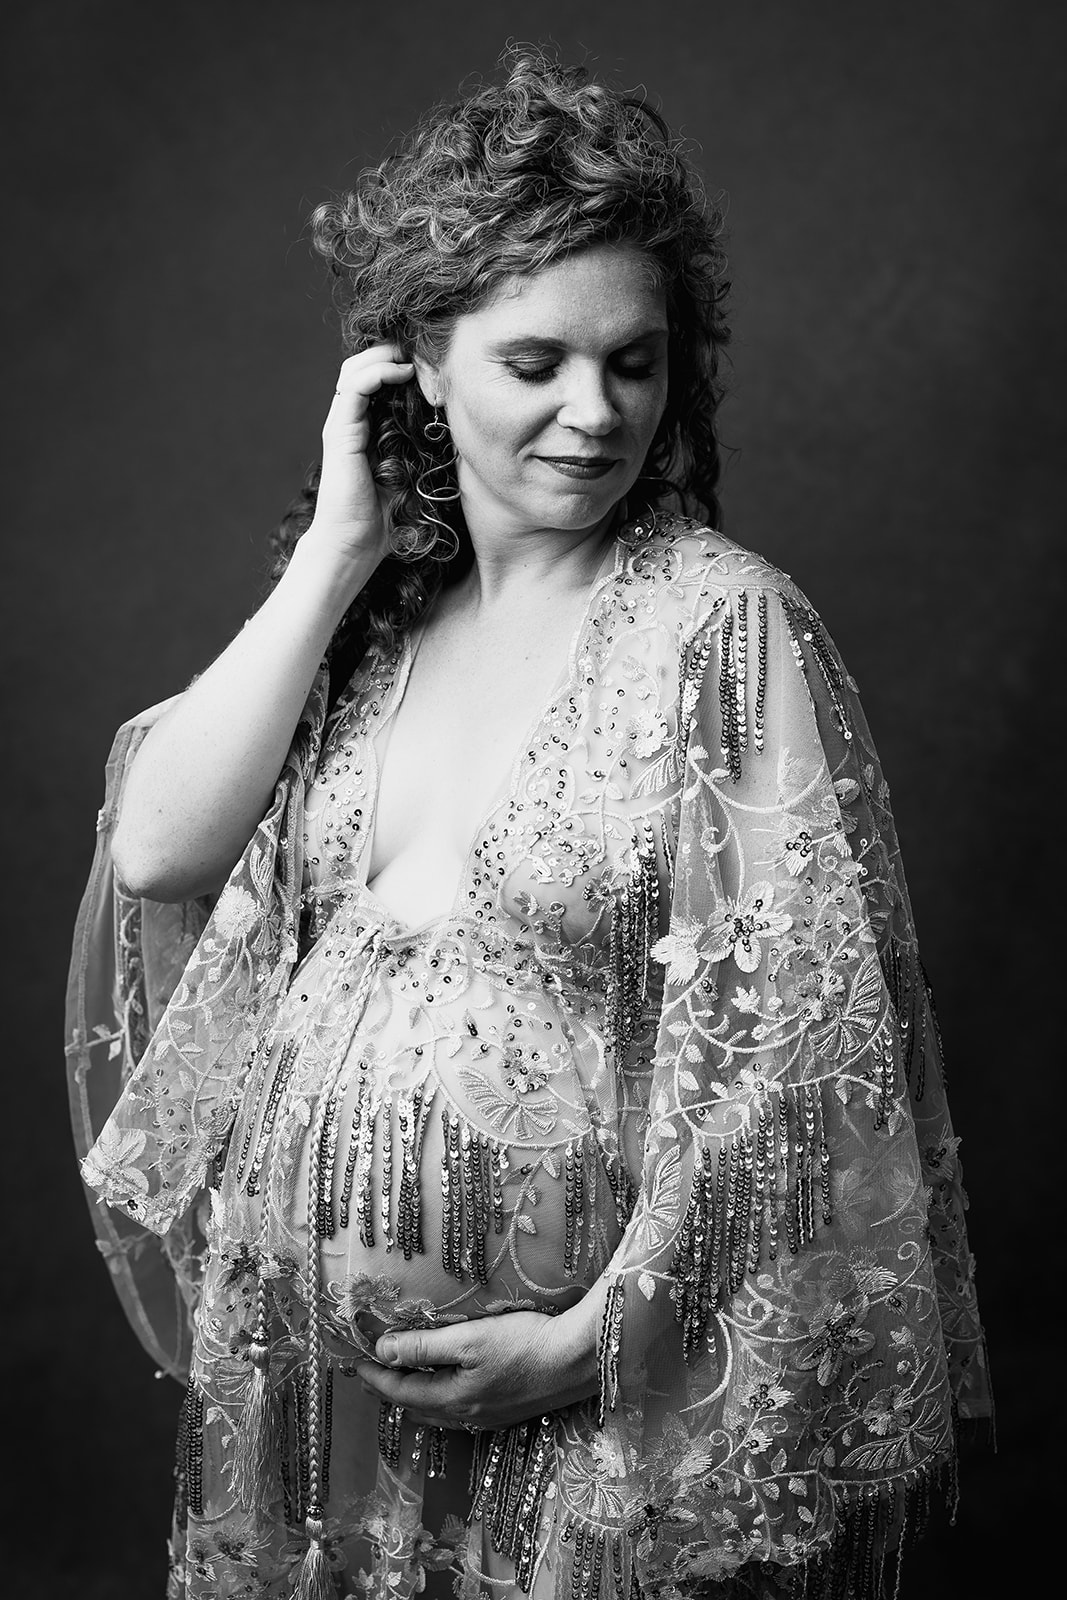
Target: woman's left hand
{"x": 490, "y": 1372}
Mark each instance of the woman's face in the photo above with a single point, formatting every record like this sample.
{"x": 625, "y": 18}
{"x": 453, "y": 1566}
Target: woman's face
{"x": 553, "y": 391}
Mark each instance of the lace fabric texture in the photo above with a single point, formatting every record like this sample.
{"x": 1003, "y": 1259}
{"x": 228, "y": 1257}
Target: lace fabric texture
{"x": 674, "y": 1029}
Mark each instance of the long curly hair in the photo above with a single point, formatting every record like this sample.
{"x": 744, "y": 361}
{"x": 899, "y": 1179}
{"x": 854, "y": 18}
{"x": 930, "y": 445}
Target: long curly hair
{"x": 508, "y": 180}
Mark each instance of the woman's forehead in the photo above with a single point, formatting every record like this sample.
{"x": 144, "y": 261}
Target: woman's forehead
{"x": 607, "y": 292}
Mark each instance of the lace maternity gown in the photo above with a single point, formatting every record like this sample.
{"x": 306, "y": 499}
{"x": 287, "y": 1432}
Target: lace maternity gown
{"x": 674, "y": 1029}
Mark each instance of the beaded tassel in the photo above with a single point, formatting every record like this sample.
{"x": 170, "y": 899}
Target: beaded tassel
{"x": 359, "y": 1113}
{"x": 609, "y": 1346}
{"x": 873, "y": 1527}
{"x": 510, "y": 1475}
{"x": 283, "y": 1072}
{"x": 390, "y": 1423}
{"x": 634, "y": 929}
{"x": 472, "y": 1198}
{"x": 623, "y": 1189}
{"x": 331, "y": 1130}
{"x": 368, "y": 1130}
{"x": 667, "y": 847}
{"x": 314, "y": 1581}
{"x": 693, "y": 680}
{"x": 596, "y": 1567}
{"x": 882, "y": 1049}
{"x": 803, "y": 624}
{"x": 733, "y": 681}
{"x": 911, "y": 1001}
{"x": 730, "y": 744}
{"x": 741, "y": 670}
{"x": 574, "y": 1207}
{"x": 763, "y": 1179}
{"x": 412, "y": 1122}
{"x": 194, "y": 1459}
{"x": 257, "y": 1447}
{"x": 181, "y": 1449}
{"x": 436, "y": 1453}
{"x": 761, "y": 672}
{"x": 189, "y": 1456}
{"x": 255, "y": 1076}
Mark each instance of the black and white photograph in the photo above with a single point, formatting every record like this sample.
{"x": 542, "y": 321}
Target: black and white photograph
{"x": 531, "y": 621}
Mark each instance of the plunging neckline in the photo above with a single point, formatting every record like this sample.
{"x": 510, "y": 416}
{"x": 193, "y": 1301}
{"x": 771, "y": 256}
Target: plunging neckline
{"x": 607, "y": 572}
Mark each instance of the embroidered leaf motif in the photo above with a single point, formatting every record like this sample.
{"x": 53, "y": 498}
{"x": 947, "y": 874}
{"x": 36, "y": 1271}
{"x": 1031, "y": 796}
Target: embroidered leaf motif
{"x": 660, "y": 1210}
{"x": 515, "y": 1116}
{"x": 525, "y": 1223}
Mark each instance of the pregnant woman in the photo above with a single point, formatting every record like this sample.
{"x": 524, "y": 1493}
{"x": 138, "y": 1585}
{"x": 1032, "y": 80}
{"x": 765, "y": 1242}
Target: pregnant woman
{"x": 496, "y": 1002}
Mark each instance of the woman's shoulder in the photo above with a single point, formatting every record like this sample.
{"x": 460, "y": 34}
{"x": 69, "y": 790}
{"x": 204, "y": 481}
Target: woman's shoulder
{"x": 689, "y": 558}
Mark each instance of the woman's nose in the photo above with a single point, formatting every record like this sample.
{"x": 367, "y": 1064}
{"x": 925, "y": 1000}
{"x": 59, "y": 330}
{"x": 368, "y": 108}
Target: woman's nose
{"x": 588, "y": 406}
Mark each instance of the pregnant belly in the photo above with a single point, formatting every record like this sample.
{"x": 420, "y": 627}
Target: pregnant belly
{"x": 422, "y": 1215}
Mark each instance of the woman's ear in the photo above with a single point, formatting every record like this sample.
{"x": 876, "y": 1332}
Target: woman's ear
{"x": 429, "y": 380}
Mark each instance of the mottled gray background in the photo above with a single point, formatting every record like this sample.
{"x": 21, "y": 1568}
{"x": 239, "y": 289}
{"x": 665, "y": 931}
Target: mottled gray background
{"x": 897, "y": 241}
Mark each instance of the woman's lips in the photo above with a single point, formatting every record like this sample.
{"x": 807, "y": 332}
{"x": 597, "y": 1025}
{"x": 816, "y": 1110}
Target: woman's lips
{"x": 580, "y": 466}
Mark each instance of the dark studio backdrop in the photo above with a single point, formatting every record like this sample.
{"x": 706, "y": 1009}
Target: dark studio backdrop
{"x": 896, "y": 244}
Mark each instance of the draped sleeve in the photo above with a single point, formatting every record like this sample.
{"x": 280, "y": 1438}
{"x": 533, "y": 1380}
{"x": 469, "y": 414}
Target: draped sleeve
{"x": 790, "y": 1331}
{"x": 166, "y": 1006}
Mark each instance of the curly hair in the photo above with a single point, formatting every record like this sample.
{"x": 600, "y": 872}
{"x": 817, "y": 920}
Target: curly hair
{"x": 505, "y": 182}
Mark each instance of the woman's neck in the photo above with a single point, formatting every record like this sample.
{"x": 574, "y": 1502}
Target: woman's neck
{"x": 554, "y": 562}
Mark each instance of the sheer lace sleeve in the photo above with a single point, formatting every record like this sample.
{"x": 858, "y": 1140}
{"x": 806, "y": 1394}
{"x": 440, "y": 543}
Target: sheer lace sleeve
{"x": 165, "y": 1008}
{"x": 129, "y": 954}
{"x": 791, "y": 1325}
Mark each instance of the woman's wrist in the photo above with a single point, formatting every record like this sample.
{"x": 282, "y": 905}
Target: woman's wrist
{"x": 328, "y": 576}
{"x": 576, "y": 1331}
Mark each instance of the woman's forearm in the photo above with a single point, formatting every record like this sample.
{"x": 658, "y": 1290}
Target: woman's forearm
{"x": 205, "y": 773}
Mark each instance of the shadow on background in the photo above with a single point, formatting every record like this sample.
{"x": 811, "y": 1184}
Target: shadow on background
{"x": 895, "y": 252}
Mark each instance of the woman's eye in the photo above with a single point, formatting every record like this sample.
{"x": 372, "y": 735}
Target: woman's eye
{"x": 532, "y": 374}
{"x": 636, "y": 370}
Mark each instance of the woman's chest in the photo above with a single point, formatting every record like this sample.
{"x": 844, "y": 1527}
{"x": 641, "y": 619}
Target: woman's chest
{"x": 448, "y": 751}
{"x": 575, "y": 793}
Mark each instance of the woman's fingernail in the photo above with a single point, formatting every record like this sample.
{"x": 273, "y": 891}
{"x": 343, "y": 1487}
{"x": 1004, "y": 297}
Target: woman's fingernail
{"x": 388, "y": 1351}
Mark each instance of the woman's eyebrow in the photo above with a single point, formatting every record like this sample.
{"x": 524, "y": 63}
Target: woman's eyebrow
{"x": 531, "y": 344}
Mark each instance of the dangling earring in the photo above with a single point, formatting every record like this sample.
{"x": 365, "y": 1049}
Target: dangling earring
{"x": 436, "y": 430}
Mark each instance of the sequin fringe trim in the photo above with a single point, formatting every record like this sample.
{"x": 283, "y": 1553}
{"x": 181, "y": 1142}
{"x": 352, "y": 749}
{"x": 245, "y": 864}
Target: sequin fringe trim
{"x": 189, "y": 1457}
{"x": 875, "y": 1528}
{"x": 609, "y": 1346}
{"x": 510, "y": 1474}
{"x": 433, "y": 1443}
{"x": 764, "y": 1182}
{"x": 805, "y": 628}
{"x": 742, "y": 711}
{"x": 634, "y": 930}
{"x": 596, "y": 1563}
{"x": 913, "y": 1005}
{"x": 472, "y": 1197}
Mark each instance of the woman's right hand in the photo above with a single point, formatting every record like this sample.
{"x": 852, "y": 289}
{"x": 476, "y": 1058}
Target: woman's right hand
{"x": 351, "y": 518}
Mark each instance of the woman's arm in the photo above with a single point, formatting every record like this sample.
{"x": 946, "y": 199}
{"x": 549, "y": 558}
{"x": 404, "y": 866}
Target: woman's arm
{"x": 205, "y": 772}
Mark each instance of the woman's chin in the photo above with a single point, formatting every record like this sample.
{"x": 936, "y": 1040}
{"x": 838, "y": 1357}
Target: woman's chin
{"x": 577, "y": 506}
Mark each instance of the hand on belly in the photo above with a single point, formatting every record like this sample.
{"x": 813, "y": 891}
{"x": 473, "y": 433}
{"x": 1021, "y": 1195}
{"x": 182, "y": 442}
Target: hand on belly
{"x": 489, "y": 1373}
